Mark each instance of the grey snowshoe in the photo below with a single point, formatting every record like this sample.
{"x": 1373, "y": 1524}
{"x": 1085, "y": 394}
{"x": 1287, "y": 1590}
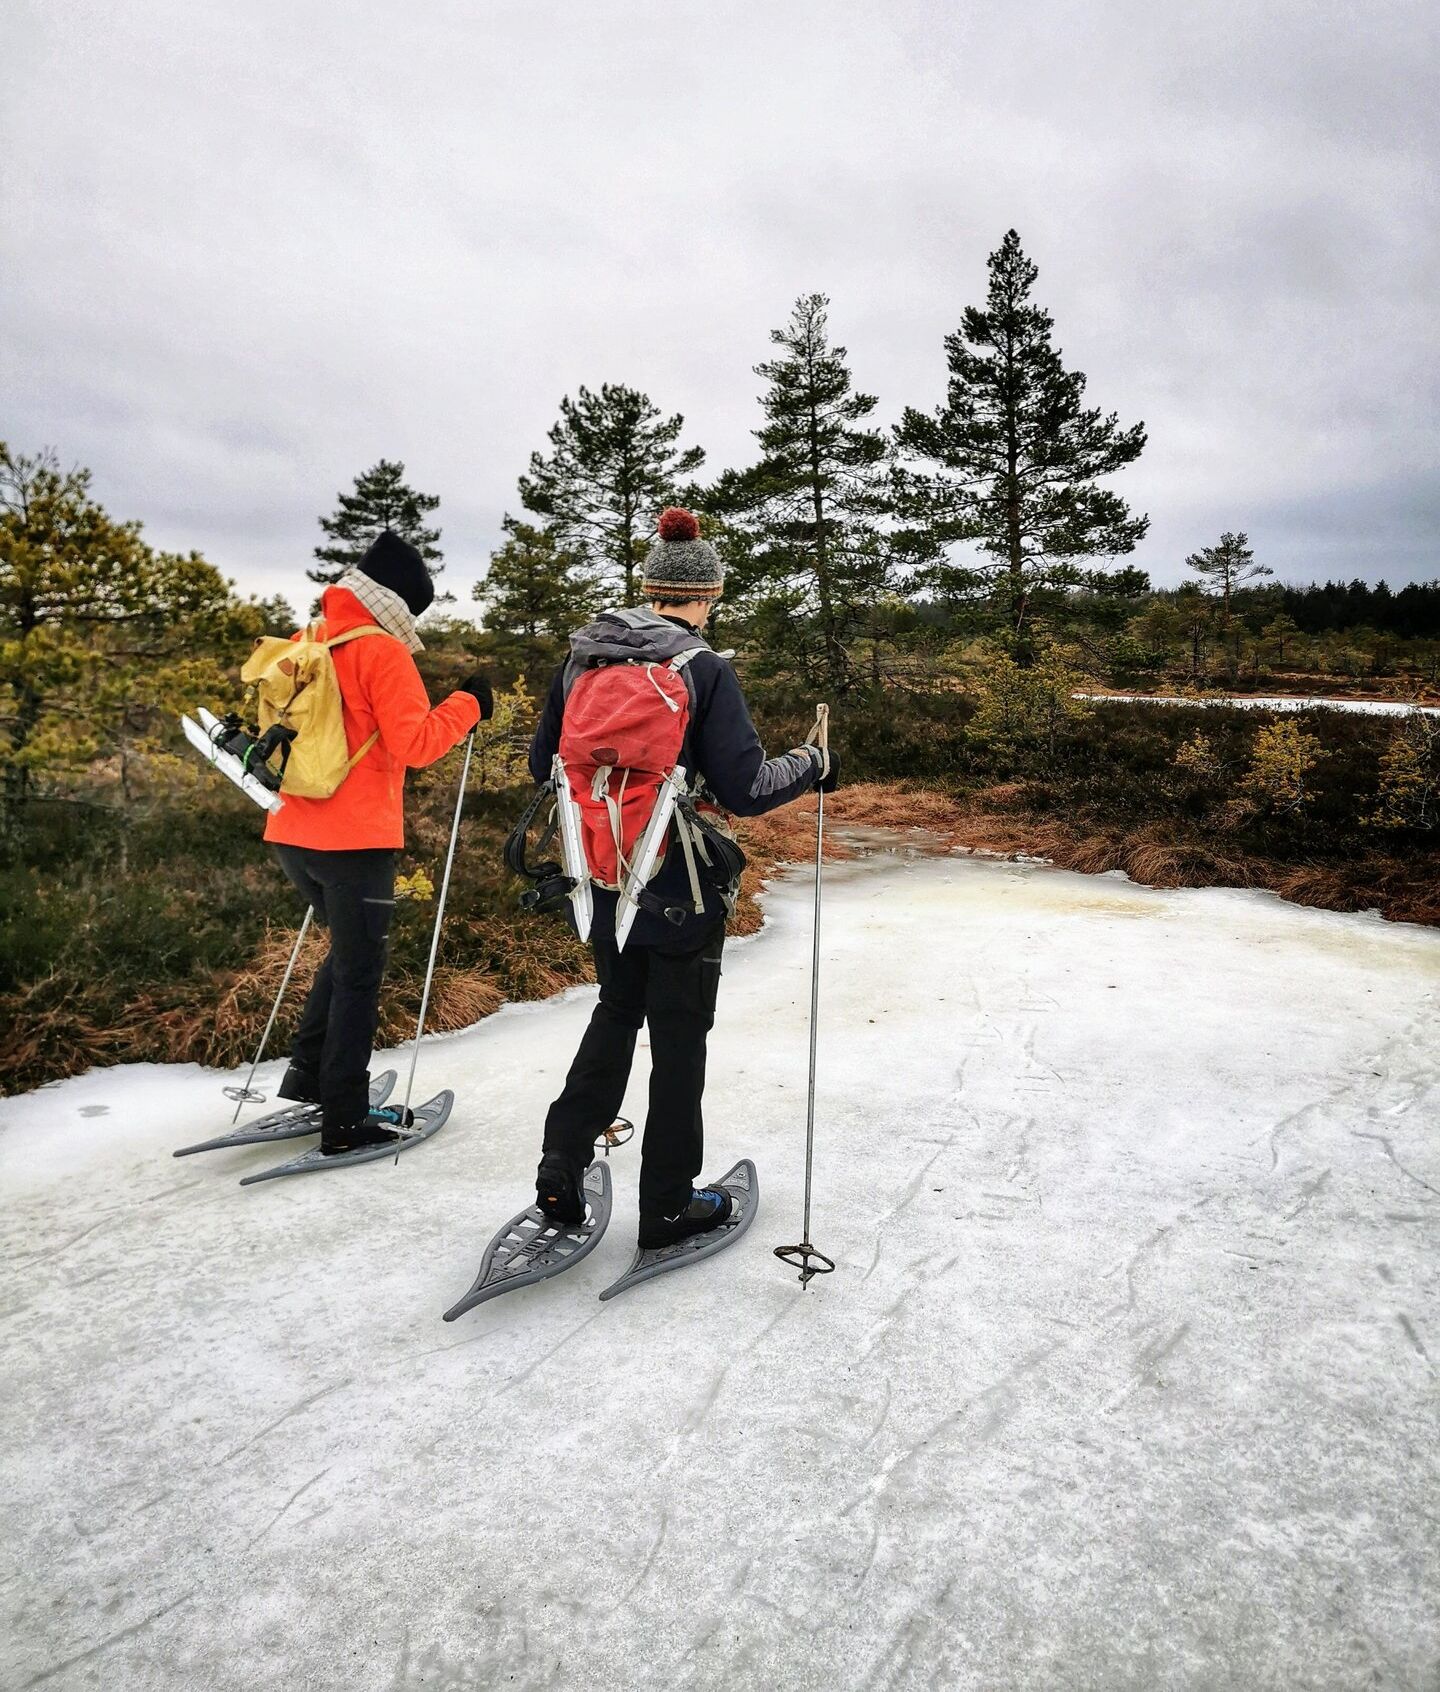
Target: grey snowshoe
{"x": 533, "y": 1245}
{"x": 742, "y": 1187}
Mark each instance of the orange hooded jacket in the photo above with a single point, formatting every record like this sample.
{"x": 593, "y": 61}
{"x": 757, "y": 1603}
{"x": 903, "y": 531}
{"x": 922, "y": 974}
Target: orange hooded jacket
{"x": 381, "y": 689}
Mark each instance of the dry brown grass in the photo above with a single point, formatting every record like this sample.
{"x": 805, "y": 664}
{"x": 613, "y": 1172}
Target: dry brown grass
{"x": 48, "y": 1030}
{"x": 994, "y": 821}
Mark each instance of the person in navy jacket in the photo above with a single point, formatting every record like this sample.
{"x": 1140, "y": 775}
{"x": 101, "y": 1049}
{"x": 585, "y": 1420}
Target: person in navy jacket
{"x": 669, "y": 974}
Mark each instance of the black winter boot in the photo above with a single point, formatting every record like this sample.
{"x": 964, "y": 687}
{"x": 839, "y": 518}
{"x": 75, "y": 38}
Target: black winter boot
{"x": 557, "y": 1189}
{"x": 376, "y": 1128}
{"x": 300, "y": 1085}
{"x": 709, "y": 1207}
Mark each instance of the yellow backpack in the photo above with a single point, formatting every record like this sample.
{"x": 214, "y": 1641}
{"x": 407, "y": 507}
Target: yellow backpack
{"x": 296, "y": 689}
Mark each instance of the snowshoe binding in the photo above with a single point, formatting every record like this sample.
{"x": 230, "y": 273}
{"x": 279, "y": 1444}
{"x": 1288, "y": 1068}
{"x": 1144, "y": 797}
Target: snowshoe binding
{"x": 709, "y": 1231}
{"x": 709, "y": 1207}
{"x": 535, "y": 1245}
{"x": 302, "y": 1085}
{"x": 382, "y": 1127}
{"x": 559, "y": 1195}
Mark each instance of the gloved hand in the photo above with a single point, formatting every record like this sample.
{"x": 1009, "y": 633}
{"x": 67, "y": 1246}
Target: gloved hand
{"x": 831, "y": 779}
{"x": 478, "y": 686}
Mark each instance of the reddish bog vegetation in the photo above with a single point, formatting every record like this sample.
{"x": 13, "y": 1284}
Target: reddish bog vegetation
{"x": 1001, "y": 819}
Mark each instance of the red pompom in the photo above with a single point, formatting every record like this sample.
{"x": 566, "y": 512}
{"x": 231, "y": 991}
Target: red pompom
{"x": 677, "y": 524}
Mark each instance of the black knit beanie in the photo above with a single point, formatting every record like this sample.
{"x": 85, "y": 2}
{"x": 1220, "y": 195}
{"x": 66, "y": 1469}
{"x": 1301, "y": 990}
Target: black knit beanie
{"x": 397, "y": 565}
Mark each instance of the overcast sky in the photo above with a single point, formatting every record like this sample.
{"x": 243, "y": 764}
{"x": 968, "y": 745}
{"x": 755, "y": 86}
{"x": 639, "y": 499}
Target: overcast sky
{"x": 250, "y": 249}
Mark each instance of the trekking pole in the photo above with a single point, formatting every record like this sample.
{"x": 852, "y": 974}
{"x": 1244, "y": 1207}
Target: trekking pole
{"x": 810, "y": 1261}
{"x": 439, "y": 918}
{"x": 243, "y": 1095}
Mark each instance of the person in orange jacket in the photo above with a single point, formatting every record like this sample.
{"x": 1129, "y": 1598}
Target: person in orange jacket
{"x": 340, "y": 852}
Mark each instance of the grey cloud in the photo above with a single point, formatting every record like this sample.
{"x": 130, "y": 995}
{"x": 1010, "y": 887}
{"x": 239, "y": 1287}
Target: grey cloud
{"x": 248, "y": 251}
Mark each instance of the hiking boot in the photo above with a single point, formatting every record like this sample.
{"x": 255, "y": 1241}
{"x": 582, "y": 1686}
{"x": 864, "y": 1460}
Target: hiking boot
{"x": 557, "y": 1189}
{"x": 379, "y": 1127}
{"x": 302, "y": 1086}
{"x": 709, "y": 1207}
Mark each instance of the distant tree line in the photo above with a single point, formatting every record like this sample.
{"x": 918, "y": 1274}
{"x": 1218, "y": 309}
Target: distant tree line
{"x": 1410, "y": 612}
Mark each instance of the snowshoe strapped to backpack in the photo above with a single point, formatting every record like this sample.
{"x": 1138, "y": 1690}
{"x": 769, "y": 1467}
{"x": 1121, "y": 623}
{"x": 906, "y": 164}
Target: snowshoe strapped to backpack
{"x": 619, "y": 779}
{"x": 627, "y": 707}
{"x": 298, "y": 695}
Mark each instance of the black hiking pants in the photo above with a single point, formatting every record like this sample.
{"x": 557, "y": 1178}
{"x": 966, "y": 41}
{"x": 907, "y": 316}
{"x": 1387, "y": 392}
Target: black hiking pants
{"x": 675, "y": 994}
{"x": 354, "y": 897}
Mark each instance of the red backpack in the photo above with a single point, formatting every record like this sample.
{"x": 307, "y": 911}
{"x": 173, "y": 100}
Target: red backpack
{"x": 621, "y": 785}
{"x": 623, "y": 728}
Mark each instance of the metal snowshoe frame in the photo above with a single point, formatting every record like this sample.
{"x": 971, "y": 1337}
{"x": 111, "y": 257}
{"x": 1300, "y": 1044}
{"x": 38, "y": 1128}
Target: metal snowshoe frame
{"x": 647, "y": 852}
{"x": 288, "y": 1124}
{"x": 572, "y": 850}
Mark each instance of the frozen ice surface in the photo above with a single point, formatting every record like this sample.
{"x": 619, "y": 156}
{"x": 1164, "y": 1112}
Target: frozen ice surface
{"x": 1127, "y": 1377}
{"x": 1272, "y": 702}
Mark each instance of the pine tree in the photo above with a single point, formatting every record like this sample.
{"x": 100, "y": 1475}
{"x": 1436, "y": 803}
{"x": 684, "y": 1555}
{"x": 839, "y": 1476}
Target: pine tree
{"x": 1226, "y": 567}
{"x": 99, "y": 634}
{"x": 535, "y": 593}
{"x": 1016, "y": 455}
{"x": 381, "y": 500}
{"x": 809, "y": 512}
{"x": 615, "y": 464}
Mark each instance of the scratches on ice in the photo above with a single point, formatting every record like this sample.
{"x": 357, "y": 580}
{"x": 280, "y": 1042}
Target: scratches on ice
{"x": 297, "y": 1409}
{"x": 1414, "y": 1338}
{"x": 1106, "y": 1386}
{"x": 108, "y": 1642}
{"x": 1383, "y": 1141}
{"x": 299, "y": 1492}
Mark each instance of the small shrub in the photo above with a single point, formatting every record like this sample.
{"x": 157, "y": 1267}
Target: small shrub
{"x": 1023, "y": 710}
{"x": 1280, "y": 763}
{"x": 1409, "y": 795}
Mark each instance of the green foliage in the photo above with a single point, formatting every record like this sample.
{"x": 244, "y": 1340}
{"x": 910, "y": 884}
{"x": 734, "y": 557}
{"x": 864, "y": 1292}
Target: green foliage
{"x": 1409, "y": 790}
{"x": 535, "y": 594}
{"x": 1226, "y": 566}
{"x": 1024, "y": 710}
{"x": 502, "y": 744}
{"x": 1010, "y": 463}
{"x": 912, "y": 737}
{"x": 1281, "y": 760}
{"x": 382, "y": 500}
{"x": 1196, "y": 757}
{"x": 814, "y": 562}
{"x": 615, "y": 463}
{"x": 102, "y": 639}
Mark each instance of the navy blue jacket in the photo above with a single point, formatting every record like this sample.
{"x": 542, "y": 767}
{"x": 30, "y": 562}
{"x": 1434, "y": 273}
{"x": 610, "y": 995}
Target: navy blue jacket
{"x": 723, "y": 748}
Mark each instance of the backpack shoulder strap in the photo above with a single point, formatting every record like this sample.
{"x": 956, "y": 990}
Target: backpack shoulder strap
{"x": 340, "y": 640}
{"x": 355, "y": 634}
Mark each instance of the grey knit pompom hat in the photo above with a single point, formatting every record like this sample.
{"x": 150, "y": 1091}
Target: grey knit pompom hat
{"x": 680, "y": 563}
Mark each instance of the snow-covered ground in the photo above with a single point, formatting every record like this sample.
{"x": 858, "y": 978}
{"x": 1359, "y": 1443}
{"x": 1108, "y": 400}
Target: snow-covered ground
{"x": 1271, "y": 702}
{"x": 1127, "y": 1377}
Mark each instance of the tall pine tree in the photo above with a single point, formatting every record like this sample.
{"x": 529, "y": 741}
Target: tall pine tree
{"x": 381, "y": 500}
{"x": 809, "y": 511}
{"x": 615, "y": 462}
{"x": 535, "y": 593}
{"x": 1016, "y": 457}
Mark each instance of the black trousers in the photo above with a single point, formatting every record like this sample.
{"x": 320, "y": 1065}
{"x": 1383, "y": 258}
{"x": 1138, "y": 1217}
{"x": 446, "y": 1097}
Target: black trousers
{"x": 354, "y": 897}
{"x": 675, "y": 993}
